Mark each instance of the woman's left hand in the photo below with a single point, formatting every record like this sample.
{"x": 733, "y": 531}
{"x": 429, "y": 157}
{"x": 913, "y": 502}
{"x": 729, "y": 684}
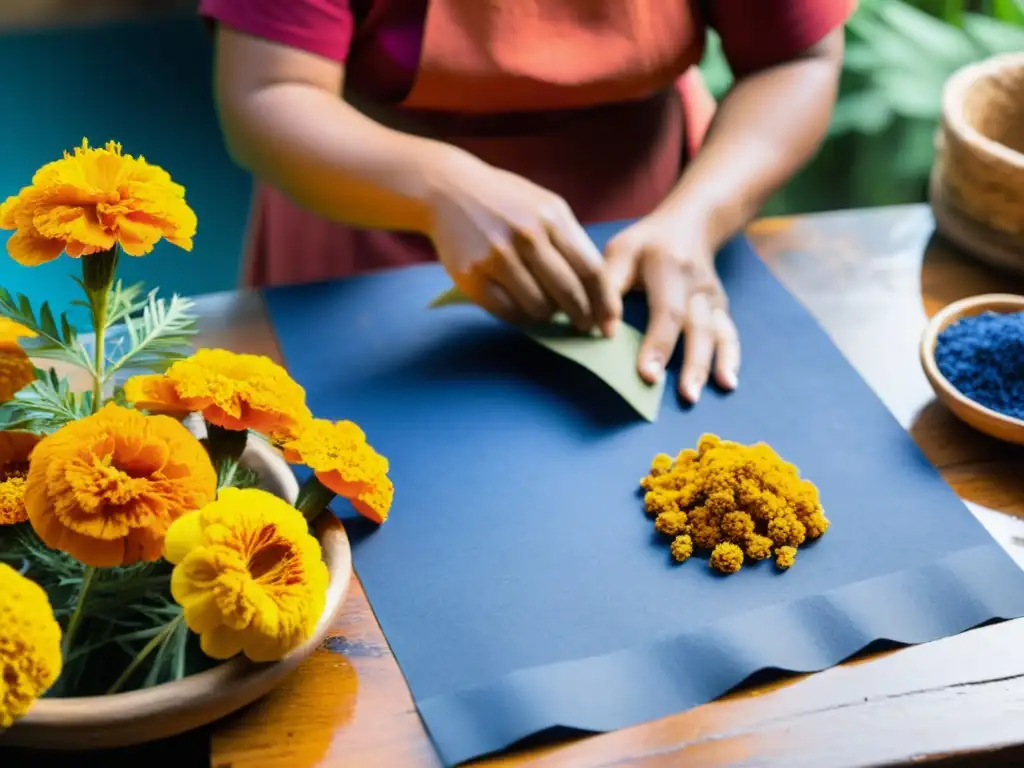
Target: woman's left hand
{"x": 669, "y": 255}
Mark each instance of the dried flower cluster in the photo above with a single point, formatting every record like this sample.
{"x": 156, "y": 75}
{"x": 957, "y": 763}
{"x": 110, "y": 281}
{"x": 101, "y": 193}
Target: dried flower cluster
{"x": 741, "y": 502}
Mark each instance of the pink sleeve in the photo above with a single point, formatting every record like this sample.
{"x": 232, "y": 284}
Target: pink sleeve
{"x": 321, "y": 27}
{"x": 761, "y": 33}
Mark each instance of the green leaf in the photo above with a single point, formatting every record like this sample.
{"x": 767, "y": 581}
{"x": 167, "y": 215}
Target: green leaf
{"x": 53, "y": 341}
{"x": 866, "y": 111}
{"x": 1009, "y": 10}
{"x": 994, "y": 36}
{"x": 160, "y": 336}
{"x": 47, "y": 404}
{"x": 924, "y": 32}
{"x": 611, "y": 360}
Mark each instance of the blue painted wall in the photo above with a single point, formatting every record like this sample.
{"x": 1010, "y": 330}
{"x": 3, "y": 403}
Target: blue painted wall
{"x": 148, "y": 86}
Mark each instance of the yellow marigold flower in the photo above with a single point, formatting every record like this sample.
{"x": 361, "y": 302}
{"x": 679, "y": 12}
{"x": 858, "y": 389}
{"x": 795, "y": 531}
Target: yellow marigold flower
{"x": 91, "y": 200}
{"x": 785, "y": 557}
{"x": 15, "y": 448}
{"x": 739, "y": 501}
{"x": 671, "y": 522}
{"x": 248, "y": 575}
{"x": 727, "y": 557}
{"x": 682, "y": 548}
{"x": 16, "y": 369}
{"x": 30, "y": 660}
{"x": 105, "y": 488}
{"x": 231, "y": 390}
{"x": 345, "y": 463}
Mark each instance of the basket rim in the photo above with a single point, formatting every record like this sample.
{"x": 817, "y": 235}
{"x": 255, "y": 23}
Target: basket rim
{"x": 953, "y": 119}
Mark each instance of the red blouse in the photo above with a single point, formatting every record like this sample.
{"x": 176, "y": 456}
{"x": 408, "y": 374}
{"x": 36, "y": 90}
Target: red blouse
{"x": 380, "y": 39}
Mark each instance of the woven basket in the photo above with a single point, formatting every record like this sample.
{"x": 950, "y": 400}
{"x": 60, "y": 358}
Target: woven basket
{"x": 977, "y": 184}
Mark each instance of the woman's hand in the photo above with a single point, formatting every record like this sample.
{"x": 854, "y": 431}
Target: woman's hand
{"x": 517, "y": 250}
{"x": 670, "y": 256}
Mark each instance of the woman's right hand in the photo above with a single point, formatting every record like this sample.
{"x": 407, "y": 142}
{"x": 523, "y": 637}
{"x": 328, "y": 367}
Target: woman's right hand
{"x": 517, "y": 250}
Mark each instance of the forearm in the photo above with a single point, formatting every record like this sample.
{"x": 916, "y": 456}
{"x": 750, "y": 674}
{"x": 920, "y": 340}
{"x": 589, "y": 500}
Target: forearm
{"x": 333, "y": 160}
{"x": 766, "y": 128}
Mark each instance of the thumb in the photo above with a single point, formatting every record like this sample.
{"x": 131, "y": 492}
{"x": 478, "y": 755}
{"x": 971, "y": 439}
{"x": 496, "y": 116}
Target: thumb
{"x": 620, "y": 259}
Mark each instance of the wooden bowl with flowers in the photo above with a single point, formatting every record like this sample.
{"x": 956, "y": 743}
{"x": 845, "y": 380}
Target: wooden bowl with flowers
{"x": 160, "y": 566}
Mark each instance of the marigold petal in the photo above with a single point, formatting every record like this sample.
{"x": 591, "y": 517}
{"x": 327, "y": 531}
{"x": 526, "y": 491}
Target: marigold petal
{"x": 155, "y": 393}
{"x": 16, "y": 372}
{"x": 184, "y": 535}
{"x": 31, "y": 249}
{"x": 221, "y": 642}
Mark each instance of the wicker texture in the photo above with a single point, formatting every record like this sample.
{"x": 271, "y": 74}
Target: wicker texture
{"x": 977, "y": 188}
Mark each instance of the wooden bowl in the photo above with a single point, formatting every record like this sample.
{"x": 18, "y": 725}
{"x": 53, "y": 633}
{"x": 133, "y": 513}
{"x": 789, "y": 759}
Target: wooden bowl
{"x": 977, "y": 184}
{"x": 983, "y": 419}
{"x": 134, "y": 717}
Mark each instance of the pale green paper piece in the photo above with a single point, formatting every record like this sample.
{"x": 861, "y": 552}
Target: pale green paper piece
{"x": 611, "y": 360}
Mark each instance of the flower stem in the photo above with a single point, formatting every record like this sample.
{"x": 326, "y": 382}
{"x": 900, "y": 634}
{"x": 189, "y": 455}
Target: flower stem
{"x": 98, "y": 278}
{"x": 144, "y": 654}
{"x": 313, "y": 498}
{"x": 88, "y": 577}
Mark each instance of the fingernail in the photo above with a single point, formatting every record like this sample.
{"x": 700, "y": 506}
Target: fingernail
{"x": 692, "y": 393}
{"x": 731, "y": 380}
{"x": 653, "y": 369}
{"x": 608, "y": 328}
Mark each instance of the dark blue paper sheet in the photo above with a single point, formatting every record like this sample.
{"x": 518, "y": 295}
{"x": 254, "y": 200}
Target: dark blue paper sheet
{"x": 518, "y": 581}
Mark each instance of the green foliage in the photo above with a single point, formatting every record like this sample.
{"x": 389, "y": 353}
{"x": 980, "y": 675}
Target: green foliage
{"x": 57, "y": 338}
{"x": 46, "y": 405}
{"x": 898, "y": 57}
{"x": 161, "y": 334}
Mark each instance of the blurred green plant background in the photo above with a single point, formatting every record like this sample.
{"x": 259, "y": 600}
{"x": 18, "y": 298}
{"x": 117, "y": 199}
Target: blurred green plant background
{"x": 898, "y": 56}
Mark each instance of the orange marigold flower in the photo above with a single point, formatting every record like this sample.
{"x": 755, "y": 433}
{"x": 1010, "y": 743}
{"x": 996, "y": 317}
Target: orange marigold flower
{"x": 92, "y": 200}
{"x": 248, "y": 575}
{"x": 738, "y": 500}
{"x": 15, "y": 448}
{"x": 105, "y": 488}
{"x": 231, "y": 390}
{"x": 344, "y": 462}
{"x": 16, "y": 369}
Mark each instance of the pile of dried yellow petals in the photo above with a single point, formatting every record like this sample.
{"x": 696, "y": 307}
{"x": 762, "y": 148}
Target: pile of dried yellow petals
{"x": 741, "y": 502}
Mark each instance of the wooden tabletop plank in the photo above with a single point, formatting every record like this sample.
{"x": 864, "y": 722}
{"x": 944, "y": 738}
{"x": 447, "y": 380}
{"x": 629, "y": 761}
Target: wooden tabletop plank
{"x": 871, "y": 278}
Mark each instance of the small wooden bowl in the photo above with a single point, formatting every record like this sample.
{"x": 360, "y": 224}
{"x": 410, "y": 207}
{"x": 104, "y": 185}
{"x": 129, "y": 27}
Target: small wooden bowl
{"x": 134, "y": 717}
{"x": 983, "y": 419}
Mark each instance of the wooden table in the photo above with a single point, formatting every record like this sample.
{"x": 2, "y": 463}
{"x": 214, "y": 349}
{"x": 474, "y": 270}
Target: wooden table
{"x": 870, "y": 278}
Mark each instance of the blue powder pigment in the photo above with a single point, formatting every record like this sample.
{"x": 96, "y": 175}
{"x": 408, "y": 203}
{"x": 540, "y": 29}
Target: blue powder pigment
{"x": 983, "y": 357}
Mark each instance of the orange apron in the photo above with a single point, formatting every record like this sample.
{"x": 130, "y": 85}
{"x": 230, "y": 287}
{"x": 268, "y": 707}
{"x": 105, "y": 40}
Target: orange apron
{"x": 599, "y": 101}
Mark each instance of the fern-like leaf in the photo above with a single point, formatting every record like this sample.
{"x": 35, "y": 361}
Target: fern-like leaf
{"x": 46, "y": 405}
{"x": 160, "y": 336}
{"x": 55, "y": 339}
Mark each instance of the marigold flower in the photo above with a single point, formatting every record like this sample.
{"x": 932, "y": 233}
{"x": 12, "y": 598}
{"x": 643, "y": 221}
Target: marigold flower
{"x": 232, "y": 391}
{"x": 104, "y": 489}
{"x": 661, "y": 464}
{"x": 738, "y": 501}
{"x": 248, "y": 575}
{"x": 15, "y": 448}
{"x": 16, "y": 369}
{"x": 345, "y": 463}
{"x": 92, "y": 200}
{"x": 30, "y": 659}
